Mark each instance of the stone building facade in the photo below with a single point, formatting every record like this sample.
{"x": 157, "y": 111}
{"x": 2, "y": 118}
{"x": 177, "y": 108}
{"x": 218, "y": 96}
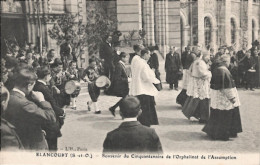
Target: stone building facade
{"x": 167, "y": 22}
{"x": 211, "y": 23}
{"x": 30, "y": 15}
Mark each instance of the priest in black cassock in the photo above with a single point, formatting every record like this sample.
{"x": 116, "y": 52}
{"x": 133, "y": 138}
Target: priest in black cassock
{"x": 224, "y": 121}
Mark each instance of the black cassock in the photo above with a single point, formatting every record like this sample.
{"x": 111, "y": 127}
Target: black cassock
{"x": 154, "y": 64}
{"x": 223, "y": 124}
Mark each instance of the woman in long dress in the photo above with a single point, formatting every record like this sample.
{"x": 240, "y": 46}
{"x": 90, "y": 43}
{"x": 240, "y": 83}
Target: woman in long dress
{"x": 142, "y": 87}
{"x": 224, "y": 121}
{"x": 198, "y": 90}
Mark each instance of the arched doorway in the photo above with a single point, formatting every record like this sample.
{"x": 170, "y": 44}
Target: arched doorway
{"x": 207, "y": 31}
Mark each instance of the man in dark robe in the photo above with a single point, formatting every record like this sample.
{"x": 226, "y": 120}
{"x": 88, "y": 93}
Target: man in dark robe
{"x": 173, "y": 68}
{"x": 250, "y": 75}
{"x": 65, "y": 54}
{"x": 106, "y": 53}
{"x": 241, "y": 56}
{"x": 224, "y": 121}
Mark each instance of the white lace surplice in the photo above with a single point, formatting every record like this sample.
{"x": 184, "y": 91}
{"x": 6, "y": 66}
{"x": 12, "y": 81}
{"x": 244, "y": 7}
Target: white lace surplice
{"x": 199, "y": 80}
{"x": 220, "y": 99}
{"x": 198, "y": 87}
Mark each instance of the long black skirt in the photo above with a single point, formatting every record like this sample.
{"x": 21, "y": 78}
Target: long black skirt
{"x": 181, "y": 98}
{"x": 149, "y": 115}
{"x": 223, "y": 124}
{"x": 197, "y": 108}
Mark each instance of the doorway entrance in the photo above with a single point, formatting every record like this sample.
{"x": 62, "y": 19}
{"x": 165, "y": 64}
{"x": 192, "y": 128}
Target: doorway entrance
{"x": 13, "y": 31}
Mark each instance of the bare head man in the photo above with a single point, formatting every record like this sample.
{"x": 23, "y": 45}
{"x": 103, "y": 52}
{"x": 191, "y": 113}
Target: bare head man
{"x": 130, "y": 107}
{"x": 25, "y": 80}
{"x": 172, "y": 49}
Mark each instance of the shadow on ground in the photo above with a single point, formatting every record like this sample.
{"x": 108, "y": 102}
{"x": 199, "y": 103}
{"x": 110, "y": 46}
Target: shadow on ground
{"x": 108, "y": 126}
{"x": 168, "y": 107}
{"x": 77, "y": 112}
{"x": 186, "y": 136}
{"x": 175, "y": 121}
{"x": 92, "y": 118}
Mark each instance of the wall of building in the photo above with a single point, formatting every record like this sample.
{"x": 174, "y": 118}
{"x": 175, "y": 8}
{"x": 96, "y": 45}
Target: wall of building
{"x": 220, "y": 14}
{"x": 166, "y": 22}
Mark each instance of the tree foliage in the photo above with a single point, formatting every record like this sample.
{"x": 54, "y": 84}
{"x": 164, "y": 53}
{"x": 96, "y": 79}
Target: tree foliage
{"x": 99, "y": 24}
{"x": 67, "y": 28}
{"x": 135, "y": 37}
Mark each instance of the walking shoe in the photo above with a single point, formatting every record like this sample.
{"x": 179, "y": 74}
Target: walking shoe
{"x": 98, "y": 112}
{"x": 112, "y": 110}
{"x": 74, "y": 108}
{"x": 176, "y": 88}
{"x": 252, "y": 89}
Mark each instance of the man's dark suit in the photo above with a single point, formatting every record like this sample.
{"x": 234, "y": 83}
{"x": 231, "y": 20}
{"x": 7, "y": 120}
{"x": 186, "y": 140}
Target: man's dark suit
{"x": 241, "y": 57}
{"x": 132, "y": 137}
{"x": 9, "y": 138}
{"x": 172, "y": 68}
{"x": 28, "y": 118}
{"x": 52, "y": 129}
{"x": 106, "y": 52}
{"x": 120, "y": 81}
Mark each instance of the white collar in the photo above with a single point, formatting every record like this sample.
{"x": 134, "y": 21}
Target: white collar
{"x": 19, "y": 91}
{"x": 122, "y": 63}
{"x": 108, "y": 43}
{"x": 42, "y": 82}
{"x": 130, "y": 119}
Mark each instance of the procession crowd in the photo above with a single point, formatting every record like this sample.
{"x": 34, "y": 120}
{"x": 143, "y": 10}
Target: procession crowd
{"x": 37, "y": 87}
